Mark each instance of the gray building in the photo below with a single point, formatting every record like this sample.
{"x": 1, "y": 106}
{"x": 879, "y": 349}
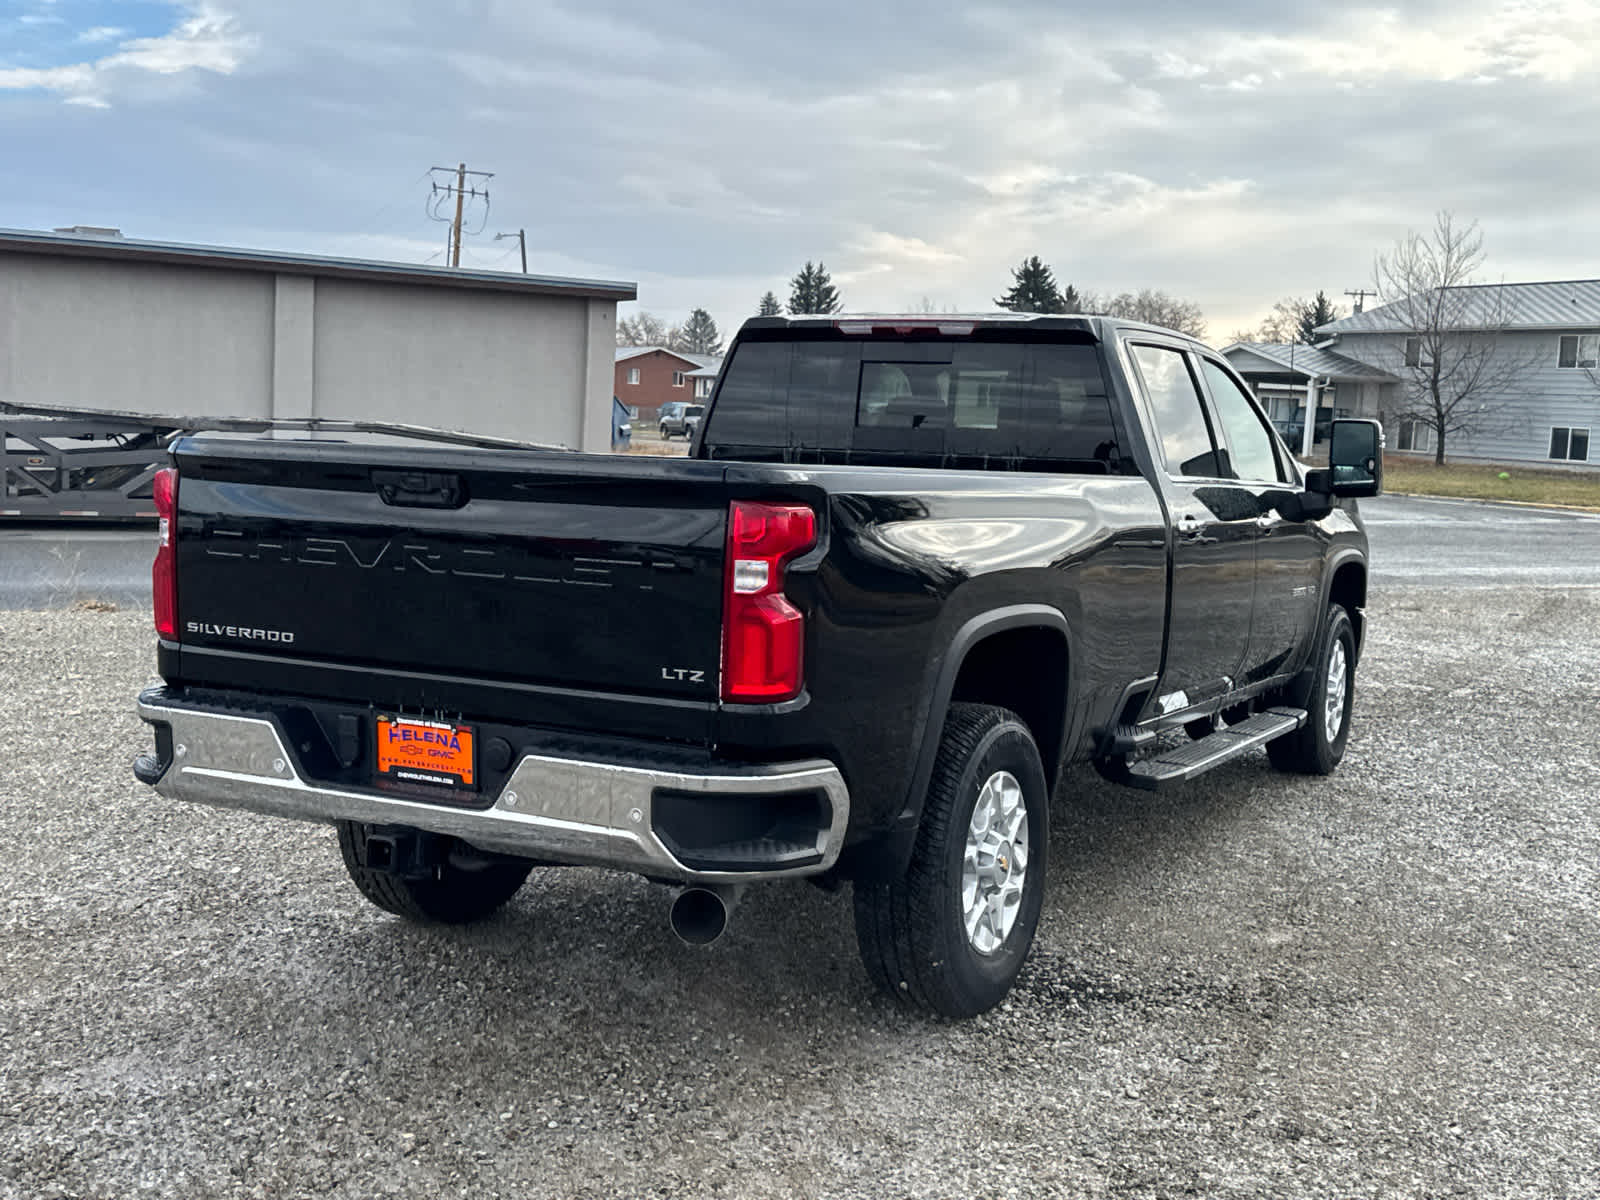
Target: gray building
{"x": 1287, "y": 378}
{"x": 1544, "y": 339}
{"x": 108, "y": 324}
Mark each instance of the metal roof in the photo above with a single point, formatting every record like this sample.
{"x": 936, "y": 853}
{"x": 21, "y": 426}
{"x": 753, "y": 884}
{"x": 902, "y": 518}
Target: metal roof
{"x": 1297, "y": 359}
{"x": 29, "y": 241}
{"x": 701, "y": 361}
{"x": 1559, "y": 304}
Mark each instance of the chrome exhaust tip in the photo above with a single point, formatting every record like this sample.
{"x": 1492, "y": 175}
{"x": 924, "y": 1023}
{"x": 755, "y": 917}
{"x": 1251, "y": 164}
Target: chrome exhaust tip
{"x": 699, "y": 915}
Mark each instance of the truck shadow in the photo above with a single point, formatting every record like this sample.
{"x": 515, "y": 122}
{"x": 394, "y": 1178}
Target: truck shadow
{"x": 594, "y": 946}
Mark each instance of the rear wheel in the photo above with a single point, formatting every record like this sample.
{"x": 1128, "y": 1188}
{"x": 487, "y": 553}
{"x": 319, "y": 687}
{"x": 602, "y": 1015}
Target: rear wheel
{"x": 1318, "y": 745}
{"x": 450, "y": 894}
{"x": 951, "y": 935}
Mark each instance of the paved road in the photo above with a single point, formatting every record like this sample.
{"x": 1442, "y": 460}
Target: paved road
{"x": 1460, "y": 543}
{"x": 1423, "y": 543}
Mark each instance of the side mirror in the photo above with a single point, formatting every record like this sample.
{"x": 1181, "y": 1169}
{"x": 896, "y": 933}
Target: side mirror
{"x": 1355, "y": 458}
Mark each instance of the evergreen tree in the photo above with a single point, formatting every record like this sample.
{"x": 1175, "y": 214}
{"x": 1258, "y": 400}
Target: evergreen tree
{"x": 1293, "y": 320}
{"x": 1320, "y": 311}
{"x": 769, "y": 306}
{"x": 1033, "y": 289}
{"x": 812, "y": 291}
{"x": 698, "y": 335}
{"x": 1071, "y": 302}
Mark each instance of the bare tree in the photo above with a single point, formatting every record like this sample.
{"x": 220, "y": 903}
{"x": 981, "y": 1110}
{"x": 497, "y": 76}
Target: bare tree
{"x": 1293, "y": 319}
{"x": 1151, "y": 307}
{"x": 1458, "y": 366}
{"x": 642, "y": 329}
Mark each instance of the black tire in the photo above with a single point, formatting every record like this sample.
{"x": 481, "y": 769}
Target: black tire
{"x": 1315, "y": 749}
{"x": 452, "y": 896}
{"x": 910, "y": 931}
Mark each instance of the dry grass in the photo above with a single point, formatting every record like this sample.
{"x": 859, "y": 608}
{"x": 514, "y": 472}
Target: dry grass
{"x": 1492, "y": 481}
{"x": 657, "y": 448}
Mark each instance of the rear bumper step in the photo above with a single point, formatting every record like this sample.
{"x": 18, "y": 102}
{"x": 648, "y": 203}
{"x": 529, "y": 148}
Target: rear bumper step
{"x": 1196, "y": 758}
{"x": 553, "y": 809}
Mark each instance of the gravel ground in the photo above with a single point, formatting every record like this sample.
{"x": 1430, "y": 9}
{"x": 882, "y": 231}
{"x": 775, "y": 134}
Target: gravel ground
{"x": 1376, "y": 985}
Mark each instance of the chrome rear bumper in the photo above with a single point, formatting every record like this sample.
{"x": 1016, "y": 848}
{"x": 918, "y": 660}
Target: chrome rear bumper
{"x": 552, "y": 809}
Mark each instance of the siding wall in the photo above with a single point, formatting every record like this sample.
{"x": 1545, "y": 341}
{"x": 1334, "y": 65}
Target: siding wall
{"x": 183, "y": 340}
{"x": 1543, "y": 396}
{"x": 135, "y": 336}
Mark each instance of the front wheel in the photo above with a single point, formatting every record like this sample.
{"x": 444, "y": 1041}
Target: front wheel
{"x": 1318, "y": 745}
{"x": 950, "y": 936}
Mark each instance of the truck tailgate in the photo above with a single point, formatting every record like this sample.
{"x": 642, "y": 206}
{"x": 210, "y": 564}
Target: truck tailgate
{"x": 588, "y": 572}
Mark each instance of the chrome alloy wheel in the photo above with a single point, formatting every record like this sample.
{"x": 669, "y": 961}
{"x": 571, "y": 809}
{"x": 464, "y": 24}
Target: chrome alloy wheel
{"x": 1337, "y": 690}
{"x": 996, "y": 863}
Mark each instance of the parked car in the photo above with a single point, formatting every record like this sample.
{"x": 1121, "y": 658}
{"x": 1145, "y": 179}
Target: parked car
{"x": 674, "y": 415}
{"x": 914, "y": 569}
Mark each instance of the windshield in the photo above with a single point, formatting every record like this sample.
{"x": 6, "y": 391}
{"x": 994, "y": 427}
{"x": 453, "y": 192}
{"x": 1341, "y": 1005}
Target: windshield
{"x": 936, "y": 400}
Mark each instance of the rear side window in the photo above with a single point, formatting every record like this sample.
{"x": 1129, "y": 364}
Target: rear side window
{"x": 1030, "y": 406}
{"x": 1179, "y": 416}
{"x": 1250, "y": 445}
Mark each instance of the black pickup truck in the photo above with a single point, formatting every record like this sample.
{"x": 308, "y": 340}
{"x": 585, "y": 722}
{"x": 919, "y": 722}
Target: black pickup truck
{"x": 913, "y": 570}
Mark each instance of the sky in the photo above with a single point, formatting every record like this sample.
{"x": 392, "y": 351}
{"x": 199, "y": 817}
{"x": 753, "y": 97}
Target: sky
{"x": 1231, "y": 154}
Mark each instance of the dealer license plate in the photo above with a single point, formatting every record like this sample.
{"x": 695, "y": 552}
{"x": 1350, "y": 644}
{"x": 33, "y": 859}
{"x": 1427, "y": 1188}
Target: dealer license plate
{"x": 435, "y": 752}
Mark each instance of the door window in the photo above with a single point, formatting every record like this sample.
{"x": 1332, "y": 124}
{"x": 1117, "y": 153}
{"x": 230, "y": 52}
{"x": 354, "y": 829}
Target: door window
{"x": 1250, "y": 451}
{"x": 1179, "y": 416}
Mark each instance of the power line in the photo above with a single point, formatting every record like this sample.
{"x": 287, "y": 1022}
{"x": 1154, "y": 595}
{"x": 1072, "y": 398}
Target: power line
{"x": 393, "y": 200}
{"x": 1361, "y": 297}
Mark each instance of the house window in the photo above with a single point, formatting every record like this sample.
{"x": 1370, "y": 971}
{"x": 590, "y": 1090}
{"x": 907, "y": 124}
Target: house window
{"x": 1415, "y": 435}
{"x": 677, "y": 379}
{"x": 1579, "y": 350}
{"x": 702, "y": 389}
{"x": 1413, "y": 352}
{"x": 1569, "y": 445}
{"x": 633, "y": 374}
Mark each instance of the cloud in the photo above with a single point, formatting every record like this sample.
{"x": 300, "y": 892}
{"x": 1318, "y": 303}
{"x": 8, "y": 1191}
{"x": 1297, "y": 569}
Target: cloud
{"x": 1551, "y": 40}
{"x": 206, "y": 39}
{"x": 1230, "y": 153}
{"x": 102, "y": 33}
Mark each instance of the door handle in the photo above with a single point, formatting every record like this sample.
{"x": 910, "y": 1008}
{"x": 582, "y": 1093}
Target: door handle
{"x": 1189, "y": 525}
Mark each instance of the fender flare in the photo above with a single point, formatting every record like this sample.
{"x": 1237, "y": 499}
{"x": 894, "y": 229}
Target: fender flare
{"x": 1299, "y": 686}
{"x": 1336, "y": 562}
{"x": 973, "y": 631}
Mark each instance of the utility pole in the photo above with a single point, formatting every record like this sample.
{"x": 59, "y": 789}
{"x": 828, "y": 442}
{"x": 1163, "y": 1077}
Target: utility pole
{"x": 461, "y": 196}
{"x": 461, "y": 193}
{"x": 522, "y": 244}
{"x": 1361, "y": 297}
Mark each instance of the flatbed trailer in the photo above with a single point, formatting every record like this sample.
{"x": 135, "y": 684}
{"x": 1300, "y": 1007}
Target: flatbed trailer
{"x": 70, "y": 465}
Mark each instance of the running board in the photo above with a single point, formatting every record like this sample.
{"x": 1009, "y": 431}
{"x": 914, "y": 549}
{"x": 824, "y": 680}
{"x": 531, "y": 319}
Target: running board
{"x": 1196, "y": 758}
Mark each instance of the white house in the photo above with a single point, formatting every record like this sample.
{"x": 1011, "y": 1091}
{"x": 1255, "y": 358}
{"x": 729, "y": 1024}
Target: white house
{"x": 1545, "y": 336}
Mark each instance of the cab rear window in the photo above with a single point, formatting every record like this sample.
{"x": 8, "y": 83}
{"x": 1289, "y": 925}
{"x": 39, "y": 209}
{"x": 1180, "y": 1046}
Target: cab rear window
{"x": 938, "y": 401}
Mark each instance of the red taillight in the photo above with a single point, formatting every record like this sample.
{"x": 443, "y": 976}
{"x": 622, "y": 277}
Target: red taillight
{"x": 164, "y": 572}
{"x": 763, "y": 635}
